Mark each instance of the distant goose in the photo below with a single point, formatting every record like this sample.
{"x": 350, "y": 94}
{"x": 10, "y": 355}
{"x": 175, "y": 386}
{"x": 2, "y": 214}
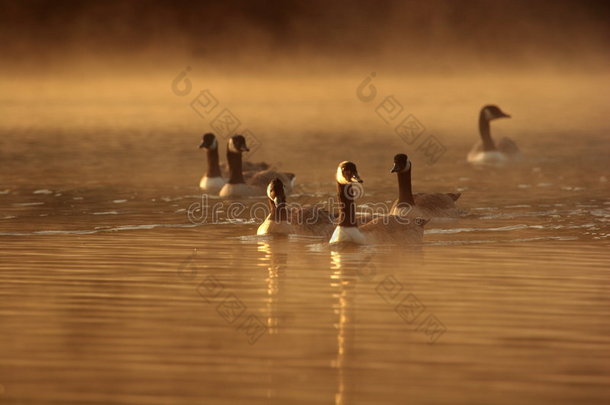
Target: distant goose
{"x": 384, "y": 229}
{"x": 426, "y": 205}
{"x": 212, "y": 181}
{"x": 486, "y": 152}
{"x": 257, "y": 184}
{"x": 311, "y": 221}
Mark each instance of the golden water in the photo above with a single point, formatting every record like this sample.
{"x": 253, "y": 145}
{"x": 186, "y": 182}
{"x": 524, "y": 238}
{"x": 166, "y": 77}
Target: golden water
{"x": 110, "y": 294}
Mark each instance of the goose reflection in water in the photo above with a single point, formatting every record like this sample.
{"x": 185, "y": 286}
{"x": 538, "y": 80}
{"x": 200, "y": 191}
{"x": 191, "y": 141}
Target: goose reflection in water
{"x": 346, "y": 271}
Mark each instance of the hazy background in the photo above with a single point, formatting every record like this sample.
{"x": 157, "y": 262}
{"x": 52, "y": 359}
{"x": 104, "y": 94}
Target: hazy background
{"x": 88, "y": 84}
{"x": 439, "y": 35}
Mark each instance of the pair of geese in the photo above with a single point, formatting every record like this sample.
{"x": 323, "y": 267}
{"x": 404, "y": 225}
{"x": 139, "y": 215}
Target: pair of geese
{"x": 245, "y": 179}
{"x": 407, "y": 217}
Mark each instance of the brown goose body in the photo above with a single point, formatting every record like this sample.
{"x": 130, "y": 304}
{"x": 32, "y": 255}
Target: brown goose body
{"x": 312, "y": 221}
{"x": 261, "y": 179}
{"x": 420, "y": 205}
{"x": 428, "y": 205}
{"x": 282, "y": 219}
{"x": 237, "y": 185}
{"x": 249, "y": 168}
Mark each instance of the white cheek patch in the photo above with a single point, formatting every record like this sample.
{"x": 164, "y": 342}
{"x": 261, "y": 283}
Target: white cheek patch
{"x": 487, "y": 114}
{"x": 269, "y": 188}
{"x": 407, "y": 166}
{"x": 232, "y": 147}
{"x": 340, "y": 177}
{"x": 214, "y": 144}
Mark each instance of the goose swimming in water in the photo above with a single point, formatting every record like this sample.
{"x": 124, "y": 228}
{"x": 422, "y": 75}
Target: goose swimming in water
{"x": 311, "y": 221}
{"x": 488, "y": 153}
{"x": 425, "y": 205}
{"x": 257, "y": 184}
{"x": 212, "y": 181}
{"x": 217, "y": 173}
{"x": 385, "y": 229}
{"x": 277, "y": 221}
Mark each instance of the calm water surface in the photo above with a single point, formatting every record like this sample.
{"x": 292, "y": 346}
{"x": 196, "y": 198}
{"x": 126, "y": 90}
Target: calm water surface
{"x": 109, "y": 294}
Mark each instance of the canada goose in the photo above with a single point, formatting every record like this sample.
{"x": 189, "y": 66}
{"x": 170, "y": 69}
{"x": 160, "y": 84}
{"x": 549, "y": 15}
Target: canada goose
{"x": 212, "y": 181}
{"x": 249, "y": 168}
{"x": 277, "y": 220}
{"x": 426, "y": 205}
{"x": 486, "y": 152}
{"x": 311, "y": 221}
{"x": 257, "y": 184}
{"x": 216, "y": 175}
{"x": 384, "y": 229}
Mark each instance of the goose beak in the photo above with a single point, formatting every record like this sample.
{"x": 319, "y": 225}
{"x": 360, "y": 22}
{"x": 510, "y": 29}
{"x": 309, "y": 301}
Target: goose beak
{"x": 395, "y": 169}
{"x": 203, "y": 145}
{"x": 244, "y": 148}
{"x": 356, "y": 178}
{"x": 504, "y": 115}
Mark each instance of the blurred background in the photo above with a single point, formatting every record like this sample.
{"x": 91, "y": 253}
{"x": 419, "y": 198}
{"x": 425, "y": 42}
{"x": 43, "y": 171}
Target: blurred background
{"x": 74, "y": 72}
{"x": 314, "y": 36}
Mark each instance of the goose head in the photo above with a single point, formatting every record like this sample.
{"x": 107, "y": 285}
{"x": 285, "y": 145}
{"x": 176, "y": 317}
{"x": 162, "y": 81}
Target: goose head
{"x": 347, "y": 173}
{"x": 276, "y": 192}
{"x": 492, "y": 112}
{"x": 208, "y": 141}
{"x": 237, "y": 144}
{"x": 401, "y": 163}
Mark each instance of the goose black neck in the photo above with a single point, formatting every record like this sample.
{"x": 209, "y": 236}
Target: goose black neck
{"x": 236, "y": 175}
{"x": 405, "y": 193}
{"x": 277, "y": 212}
{"x": 347, "y": 207}
{"x": 213, "y": 163}
{"x": 488, "y": 143}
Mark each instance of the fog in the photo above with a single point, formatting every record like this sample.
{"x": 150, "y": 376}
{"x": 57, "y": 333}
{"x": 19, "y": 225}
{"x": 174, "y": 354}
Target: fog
{"x": 448, "y": 37}
{"x": 288, "y": 69}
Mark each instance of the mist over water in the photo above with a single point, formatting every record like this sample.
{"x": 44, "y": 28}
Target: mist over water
{"x": 105, "y": 275}
{"x": 436, "y": 35}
